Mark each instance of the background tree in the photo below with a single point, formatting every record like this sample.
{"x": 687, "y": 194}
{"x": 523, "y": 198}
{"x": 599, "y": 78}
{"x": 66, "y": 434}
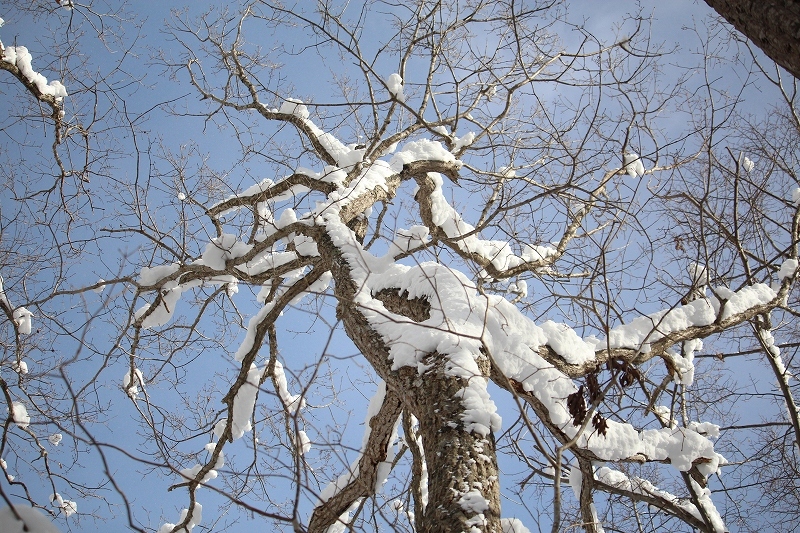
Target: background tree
{"x": 484, "y": 217}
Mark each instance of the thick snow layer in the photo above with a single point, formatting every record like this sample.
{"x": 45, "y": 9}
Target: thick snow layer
{"x": 19, "y": 56}
{"x": 642, "y": 331}
{"x": 295, "y": 107}
{"x": 33, "y": 521}
{"x": 222, "y": 249}
{"x": 152, "y": 275}
{"x": 244, "y": 403}
{"x": 744, "y": 298}
{"x": 420, "y": 150}
{"x": 533, "y": 252}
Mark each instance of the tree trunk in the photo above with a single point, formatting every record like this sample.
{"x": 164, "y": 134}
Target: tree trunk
{"x": 772, "y": 25}
{"x": 462, "y": 465}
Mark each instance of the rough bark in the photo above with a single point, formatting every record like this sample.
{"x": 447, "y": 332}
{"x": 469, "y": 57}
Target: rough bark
{"x": 458, "y": 460}
{"x": 772, "y": 25}
{"x": 364, "y": 483}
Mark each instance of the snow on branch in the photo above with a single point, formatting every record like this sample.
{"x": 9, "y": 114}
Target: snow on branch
{"x": 463, "y": 321}
{"x": 368, "y": 473}
{"x": 18, "y": 61}
{"x": 639, "y": 489}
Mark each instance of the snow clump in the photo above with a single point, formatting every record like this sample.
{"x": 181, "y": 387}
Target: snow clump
{"x": 68, "y": 507}
{"x": 55, "y": 439}
{"x": 513, "y": 525}
{"x": 22, "y": 318}
{"x": 197, "y": 517}
{"x": 395, "y": 85}
{"x": 748, "y": 165}
{"x": 461, "y": 142}
{"x": 633, "y": 164}
{"x": 20, "y": 415}
{"x": 788, "y": 268}
{"x": 131, "y": 384}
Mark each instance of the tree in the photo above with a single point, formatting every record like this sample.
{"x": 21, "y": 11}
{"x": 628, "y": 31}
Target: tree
{"x": 495, "y": 232}
{"x": 772, "y": 26}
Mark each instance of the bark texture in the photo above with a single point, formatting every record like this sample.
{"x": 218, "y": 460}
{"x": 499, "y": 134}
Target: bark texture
{"x": 772, "y": 25}
{"x": 461, "y": 464}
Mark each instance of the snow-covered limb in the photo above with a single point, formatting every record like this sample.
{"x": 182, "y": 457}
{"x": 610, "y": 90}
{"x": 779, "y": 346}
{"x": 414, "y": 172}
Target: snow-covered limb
{"x": 762, "y": 328}
{"x": 190, "y": 518}
{"x": 638, "y": 489}
{"x": 368, "y": 473}
{"x": 18, "y": 61}
{"x": 269, "y": 191}
{"x": 131, "y": 381}
{"x": 67, "y": 507}
{"x": 25, "y": 519}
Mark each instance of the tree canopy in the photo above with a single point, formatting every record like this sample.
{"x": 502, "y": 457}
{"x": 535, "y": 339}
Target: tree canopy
{"x": 487, "y": 266}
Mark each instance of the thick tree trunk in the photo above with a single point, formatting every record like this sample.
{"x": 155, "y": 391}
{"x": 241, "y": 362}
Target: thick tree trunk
{"x": 772, "y": 25}
{"x": 463, "y": 487}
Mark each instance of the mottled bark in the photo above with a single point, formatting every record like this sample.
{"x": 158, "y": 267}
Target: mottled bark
{"x": 772, "y": 25}
{"x": 364, "y": 482}
{"x": 458, "y": 460}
